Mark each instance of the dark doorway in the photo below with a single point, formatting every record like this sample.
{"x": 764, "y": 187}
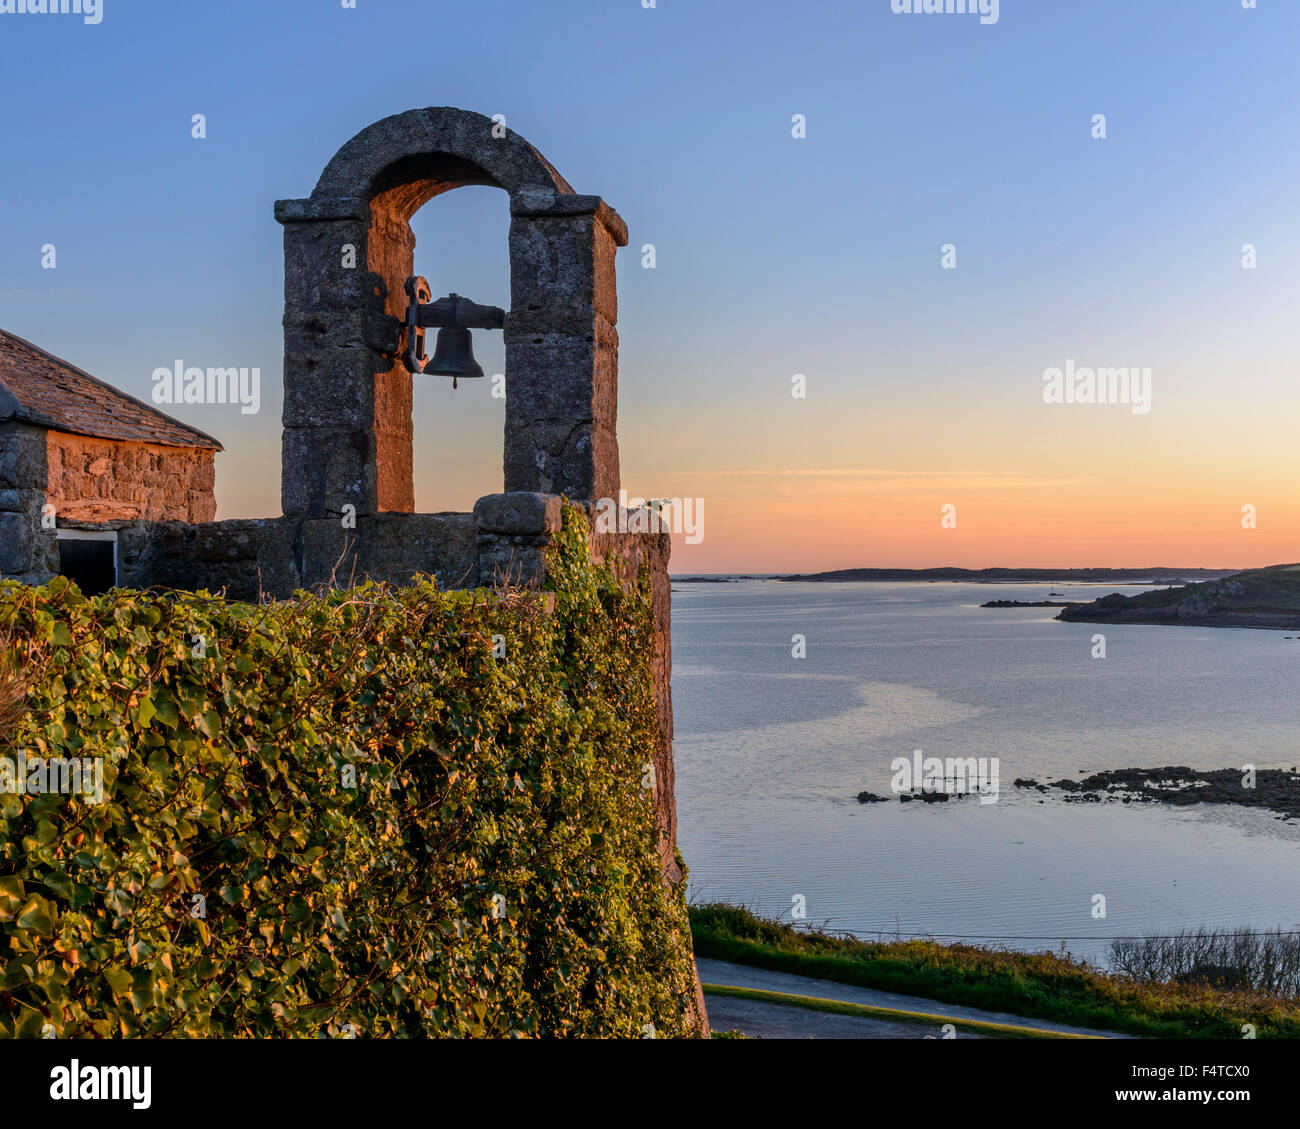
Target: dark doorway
{"x": 88, "y": 564}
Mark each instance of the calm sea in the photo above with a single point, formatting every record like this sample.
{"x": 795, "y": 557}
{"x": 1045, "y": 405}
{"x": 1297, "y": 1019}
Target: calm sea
{"x": 772, "y": 750}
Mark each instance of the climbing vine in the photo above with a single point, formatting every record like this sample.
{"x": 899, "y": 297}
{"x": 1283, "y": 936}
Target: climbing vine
{"x": 377, "y": 812}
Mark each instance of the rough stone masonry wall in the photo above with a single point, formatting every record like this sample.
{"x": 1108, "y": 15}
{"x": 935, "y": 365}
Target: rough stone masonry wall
{"x": 503, "y": 540}
{"x": 90, "y": 482}
{"x": 247, "y": 559}
{"x": 27, "y": 552}
{"x": 253, "y": 559}
{"x": 562, "y": 346}
{"x": 102, "y": 480}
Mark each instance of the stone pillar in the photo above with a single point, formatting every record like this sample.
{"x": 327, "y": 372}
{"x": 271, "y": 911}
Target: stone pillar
{"x": 347, "y": 399}
{"x": 562, "y": 346}
{"x": 512, "y": 533}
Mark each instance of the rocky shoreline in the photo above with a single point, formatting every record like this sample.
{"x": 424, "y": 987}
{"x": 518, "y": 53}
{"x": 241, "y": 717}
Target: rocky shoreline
{"x": 1272, "y": 789}
{"x": 1176, "y": 617}
{"x": 1262, "y": 598}
{"x": 1275, "y": 790}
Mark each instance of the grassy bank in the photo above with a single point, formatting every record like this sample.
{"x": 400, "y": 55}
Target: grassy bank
{"x": 1034, "y": 985}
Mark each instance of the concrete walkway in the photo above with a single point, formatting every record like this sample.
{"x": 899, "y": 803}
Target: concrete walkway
{"x": 757, "y": 1019}
{"x": 746, "y": 976}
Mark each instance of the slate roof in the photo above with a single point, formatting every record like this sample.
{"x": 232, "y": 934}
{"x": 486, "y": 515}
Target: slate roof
{"x": 37, "y": 387}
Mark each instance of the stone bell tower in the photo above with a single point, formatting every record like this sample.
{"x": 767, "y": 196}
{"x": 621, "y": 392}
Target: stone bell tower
{"x": 349, "y": 250}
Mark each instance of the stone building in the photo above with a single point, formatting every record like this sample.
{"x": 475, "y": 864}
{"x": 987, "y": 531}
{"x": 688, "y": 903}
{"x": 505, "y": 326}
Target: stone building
{"x": 80, "y": 462}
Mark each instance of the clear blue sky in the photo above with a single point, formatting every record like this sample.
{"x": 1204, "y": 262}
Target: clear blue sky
{"x": 775, "y": 256}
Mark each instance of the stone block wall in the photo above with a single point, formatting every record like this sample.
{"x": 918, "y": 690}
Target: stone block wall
{"x": 347, "y": 402}
{"x": 503, "y": 540}
{"x": 562, "y": 346}
{"x": 102, "y": 480}
{"x": 248, "y": 559}
{"x": 392, "y": 547}
{"x": 512, "y": 532}
{"x": 27, "y": 552}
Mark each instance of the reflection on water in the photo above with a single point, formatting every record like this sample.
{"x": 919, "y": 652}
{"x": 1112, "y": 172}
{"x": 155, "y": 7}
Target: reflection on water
{"x": 771, "y": 751}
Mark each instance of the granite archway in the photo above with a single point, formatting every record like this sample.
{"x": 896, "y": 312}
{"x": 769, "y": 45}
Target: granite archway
{"x": 348, "y": 252}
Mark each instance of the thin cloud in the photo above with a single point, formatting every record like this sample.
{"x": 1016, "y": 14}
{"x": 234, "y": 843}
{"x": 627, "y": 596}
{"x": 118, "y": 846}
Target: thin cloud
{"x": 980, "y": 477}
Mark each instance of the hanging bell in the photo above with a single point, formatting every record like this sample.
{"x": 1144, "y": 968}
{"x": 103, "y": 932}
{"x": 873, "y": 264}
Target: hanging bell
{"x": 453, "y": 355}
{"x": 454, "y": 317}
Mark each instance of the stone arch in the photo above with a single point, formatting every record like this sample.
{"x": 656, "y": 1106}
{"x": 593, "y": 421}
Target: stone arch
{"x": 412, "y": 157}
{"x": 347, "y": 397}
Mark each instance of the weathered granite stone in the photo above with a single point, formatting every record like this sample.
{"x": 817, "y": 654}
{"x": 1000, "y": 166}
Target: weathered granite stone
{"x": 562, "y": 378}
{"x": 519, "y": 513}
{"x": 22, "y": 456}
{"x": 103, "y": 480}
{"x": 513, "y": 532}
{"x": 321, "y": 208}
{"x": 436, "y": 148}
{"x": 561, "y": 458}
{"x": 322, "y": 390}
{"x": 562, "y": 274}
{"x": 325, "y": 470}
{"x": 329, "y": 553}
{"x": 15, "y": 543}
{"x": 392, "y": 547}
{"x": 316, "y": 275}
{"x": 515, "y": 561}
{"x": 530, "y": 202}
{"x": 44, "y": 563}
{"x": 248, "y": 559}
{"x": 397, "y": 547}
{"x": 228, "y": 541}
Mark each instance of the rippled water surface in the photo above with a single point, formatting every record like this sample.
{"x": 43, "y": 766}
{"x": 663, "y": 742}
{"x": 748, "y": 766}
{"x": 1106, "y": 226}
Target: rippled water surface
{"x": 771, "y": 752}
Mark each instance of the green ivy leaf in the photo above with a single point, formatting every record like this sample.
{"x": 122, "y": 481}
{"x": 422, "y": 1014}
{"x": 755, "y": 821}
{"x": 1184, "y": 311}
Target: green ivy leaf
{"x": 37, "y": 916}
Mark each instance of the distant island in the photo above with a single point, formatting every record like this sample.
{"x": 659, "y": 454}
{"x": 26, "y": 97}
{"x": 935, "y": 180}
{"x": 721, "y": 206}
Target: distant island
{"x": 990, "y": 575}
{"x": 1032, "y": 603}
{"x": 1261, "y": 597}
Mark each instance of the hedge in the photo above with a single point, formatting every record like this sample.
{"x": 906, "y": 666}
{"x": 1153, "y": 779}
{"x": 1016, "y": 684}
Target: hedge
{"x": 375, "y": 812}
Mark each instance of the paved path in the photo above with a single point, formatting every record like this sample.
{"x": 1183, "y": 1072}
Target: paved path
{"x": 759, "y": 1020}
{"x": 747, "y": 976}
